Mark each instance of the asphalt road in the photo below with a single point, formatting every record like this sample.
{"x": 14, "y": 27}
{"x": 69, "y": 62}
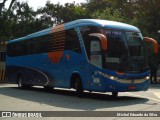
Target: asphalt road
{"x": 36, "y": 99}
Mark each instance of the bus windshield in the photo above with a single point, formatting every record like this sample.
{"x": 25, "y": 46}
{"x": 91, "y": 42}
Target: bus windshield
{"x": 126, "y": 51}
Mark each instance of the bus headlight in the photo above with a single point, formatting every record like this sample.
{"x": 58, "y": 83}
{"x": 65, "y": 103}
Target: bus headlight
{"x": 113, "y": 78}
{"x": 147, "y": 78}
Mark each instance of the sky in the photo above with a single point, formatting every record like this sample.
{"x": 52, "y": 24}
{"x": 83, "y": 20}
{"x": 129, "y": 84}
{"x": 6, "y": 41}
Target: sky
{"x": 41, "y": 3}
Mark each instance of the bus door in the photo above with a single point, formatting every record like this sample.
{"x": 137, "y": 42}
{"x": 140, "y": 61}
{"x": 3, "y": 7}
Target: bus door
{"x": 96, "y": 53}
{"x": 98, "y": 43}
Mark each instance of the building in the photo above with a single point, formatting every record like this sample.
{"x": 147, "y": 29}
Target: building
{"x": 3, "y": 45}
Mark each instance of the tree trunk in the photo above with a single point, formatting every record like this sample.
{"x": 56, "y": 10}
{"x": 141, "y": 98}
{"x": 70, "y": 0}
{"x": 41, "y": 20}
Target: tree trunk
{"x": 2, "y": 5}
{"x": 10, "y": 6}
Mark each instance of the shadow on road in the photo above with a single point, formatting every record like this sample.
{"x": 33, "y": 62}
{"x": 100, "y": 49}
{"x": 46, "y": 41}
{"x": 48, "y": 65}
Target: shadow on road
{"x": 68, "y": 99}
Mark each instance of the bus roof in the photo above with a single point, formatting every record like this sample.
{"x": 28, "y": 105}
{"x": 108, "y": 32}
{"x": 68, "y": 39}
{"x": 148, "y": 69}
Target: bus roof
{"x": 84, "y": 22}
{"x": 103, "y": 23}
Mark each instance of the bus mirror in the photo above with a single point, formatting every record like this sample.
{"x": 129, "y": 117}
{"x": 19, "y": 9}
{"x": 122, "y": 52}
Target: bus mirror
{"x": 102, "y": 39}
{"x": 154, "y": 42}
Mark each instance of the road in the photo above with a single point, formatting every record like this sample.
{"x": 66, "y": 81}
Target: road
{"x": 36, "y": 99}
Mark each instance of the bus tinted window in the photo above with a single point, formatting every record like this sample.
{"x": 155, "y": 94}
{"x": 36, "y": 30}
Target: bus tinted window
{"x": 26, "y": 47}
{"x": 85, "y": 31}
{"x": 72, "y": 42}
{"x": 58, "y": 41}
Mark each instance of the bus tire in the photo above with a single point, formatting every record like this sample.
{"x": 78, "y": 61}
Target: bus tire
{"x": 114, "y": 94}
{"x": 78, "y": 86}
{"x": 21, "y": 85}
{"x": 20, "y": 82}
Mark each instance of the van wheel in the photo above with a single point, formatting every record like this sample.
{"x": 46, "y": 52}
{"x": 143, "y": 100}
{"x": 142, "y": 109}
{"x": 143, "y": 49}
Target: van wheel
{"x": 78, "y": 86}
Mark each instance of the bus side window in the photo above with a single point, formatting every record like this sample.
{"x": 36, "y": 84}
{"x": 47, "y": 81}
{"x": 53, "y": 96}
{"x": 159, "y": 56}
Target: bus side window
{"x": 32, "y": 47}
{"x": 42, "y": 44}
{"x": 10, "y": 51}
{"x": 20, "y": 48}
{"x": 72, "y": 41}
{"x": 24, "y": 48}
{"x": 87, "y": 42}
{"x": 85, "y": 31}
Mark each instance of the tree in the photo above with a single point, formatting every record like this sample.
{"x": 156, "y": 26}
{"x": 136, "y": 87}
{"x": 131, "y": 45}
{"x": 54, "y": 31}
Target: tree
{"x": 57, "y": 14}
{"x": 109, "y": 14}
{"x": 73, "y": 12}
{"x": 100, "y": 5}
{"x": 19, "y": 21}
{"x": 4, "y": 15}
{"x": 2, "y": 4}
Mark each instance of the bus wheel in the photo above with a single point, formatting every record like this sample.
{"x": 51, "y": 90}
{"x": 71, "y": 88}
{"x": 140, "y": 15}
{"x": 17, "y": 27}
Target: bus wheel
{"x": 79, "y": 86}
{"x": 21, "y": 85}
{"x": 20, "y": 82}
{"x": 114, "y": 94}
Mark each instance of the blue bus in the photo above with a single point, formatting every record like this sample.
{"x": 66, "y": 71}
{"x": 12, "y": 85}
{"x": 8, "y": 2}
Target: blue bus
{"x": 86, "y": 54}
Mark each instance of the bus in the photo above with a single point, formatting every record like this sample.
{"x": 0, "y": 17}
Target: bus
{"x": 86, "y": 55}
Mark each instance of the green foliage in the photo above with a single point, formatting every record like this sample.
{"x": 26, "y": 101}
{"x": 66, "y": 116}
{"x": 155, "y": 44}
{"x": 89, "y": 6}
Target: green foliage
{"x": 61, "y": 14}
{"x": 20, "y": 19}
{"x": 109, "y": 14}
